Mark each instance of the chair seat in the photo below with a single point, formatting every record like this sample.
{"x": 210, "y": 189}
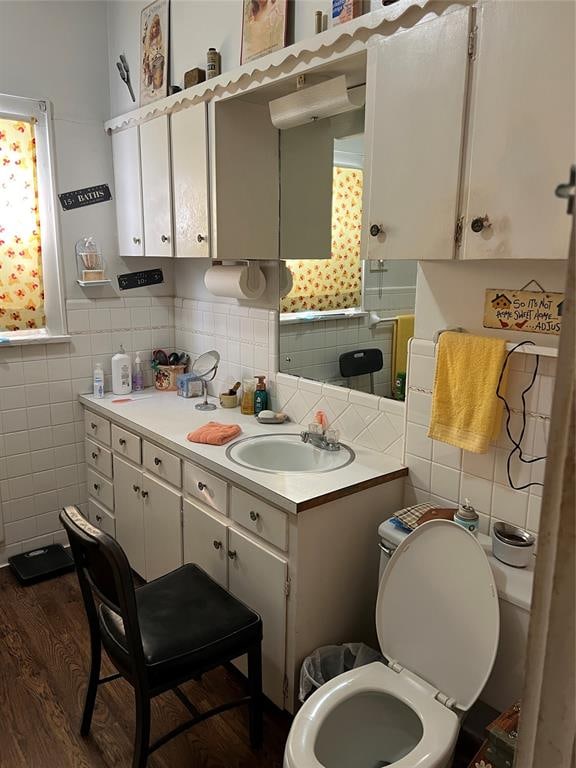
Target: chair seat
{"x": 187, "y": 622}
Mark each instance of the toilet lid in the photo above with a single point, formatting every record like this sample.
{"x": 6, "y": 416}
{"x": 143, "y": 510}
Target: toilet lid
{"x": 437, "y": 612}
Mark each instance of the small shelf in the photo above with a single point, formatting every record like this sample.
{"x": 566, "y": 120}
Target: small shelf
{"x": 93, "y": 283}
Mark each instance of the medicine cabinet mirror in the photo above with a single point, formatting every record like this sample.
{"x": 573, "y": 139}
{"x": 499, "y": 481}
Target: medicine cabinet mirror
{"x": 341, "y": 320}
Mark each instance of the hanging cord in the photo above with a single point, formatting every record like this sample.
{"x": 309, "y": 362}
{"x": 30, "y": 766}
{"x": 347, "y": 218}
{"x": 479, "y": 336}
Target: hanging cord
{"x": 518, "y": 443}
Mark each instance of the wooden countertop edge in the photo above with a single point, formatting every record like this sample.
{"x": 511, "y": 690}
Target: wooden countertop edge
{"x": 351, "y": 489}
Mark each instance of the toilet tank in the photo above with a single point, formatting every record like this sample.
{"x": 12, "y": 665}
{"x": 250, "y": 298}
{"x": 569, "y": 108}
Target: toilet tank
{"x": 514, "y": 587}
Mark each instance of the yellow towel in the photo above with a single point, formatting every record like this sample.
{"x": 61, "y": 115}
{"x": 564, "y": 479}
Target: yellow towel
{"x": 403, "y": 332}
{"x": 465, "y": 409}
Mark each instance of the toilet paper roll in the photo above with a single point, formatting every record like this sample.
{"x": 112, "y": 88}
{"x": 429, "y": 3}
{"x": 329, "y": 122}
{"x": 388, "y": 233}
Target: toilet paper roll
{"x": 236, "y": 282}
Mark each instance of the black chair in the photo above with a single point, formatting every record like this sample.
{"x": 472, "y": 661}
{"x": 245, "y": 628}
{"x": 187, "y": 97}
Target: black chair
{"x": 160, "y": 635}
{"x": 360, "y": 362}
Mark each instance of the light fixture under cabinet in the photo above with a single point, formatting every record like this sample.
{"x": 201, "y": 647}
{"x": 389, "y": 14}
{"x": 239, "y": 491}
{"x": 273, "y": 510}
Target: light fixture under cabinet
{"x": 332, "y": 97}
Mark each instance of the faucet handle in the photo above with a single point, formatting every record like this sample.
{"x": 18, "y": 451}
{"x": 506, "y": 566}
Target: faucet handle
{"x": 332, "y": 436}
{"x": 314, "y": 428}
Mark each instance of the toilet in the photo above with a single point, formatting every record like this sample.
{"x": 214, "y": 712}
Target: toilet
{"x": 437, "y": 620}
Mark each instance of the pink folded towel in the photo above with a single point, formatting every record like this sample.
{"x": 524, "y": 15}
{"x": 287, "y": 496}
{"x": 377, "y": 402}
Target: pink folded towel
{"x": 214, "y": 433}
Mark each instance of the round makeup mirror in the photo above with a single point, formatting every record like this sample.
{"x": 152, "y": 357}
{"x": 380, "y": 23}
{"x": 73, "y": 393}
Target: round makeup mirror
{"x": 205, "y": 367}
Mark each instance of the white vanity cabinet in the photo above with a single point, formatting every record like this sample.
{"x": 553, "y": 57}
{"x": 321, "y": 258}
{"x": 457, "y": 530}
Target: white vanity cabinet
{"x": 128, "y": 191}
{"x": 522, "y": 132}
{"x": 415, "y": 111}
{"x": 189, "y": 133}
{"x": 156, "y": 186}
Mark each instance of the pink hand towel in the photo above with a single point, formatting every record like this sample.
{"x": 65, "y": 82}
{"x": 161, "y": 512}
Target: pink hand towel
{"x": 214, "y": 433}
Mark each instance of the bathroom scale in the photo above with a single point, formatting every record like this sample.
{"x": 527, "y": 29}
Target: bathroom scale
{"x": 42, "y": 563}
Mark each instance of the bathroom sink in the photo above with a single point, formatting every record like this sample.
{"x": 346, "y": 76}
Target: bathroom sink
{"x": 285, "y": 454}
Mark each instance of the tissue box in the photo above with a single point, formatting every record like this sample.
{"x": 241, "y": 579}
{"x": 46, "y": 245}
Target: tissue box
{"x": 188, "y": 385}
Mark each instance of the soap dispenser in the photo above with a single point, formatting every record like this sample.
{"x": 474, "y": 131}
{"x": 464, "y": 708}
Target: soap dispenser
{"x": 260, "y": 395}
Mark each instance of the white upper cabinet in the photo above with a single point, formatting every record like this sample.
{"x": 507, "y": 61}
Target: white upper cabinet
{"x": 415, "y": 114}
{"x": 522, "y": 131}
{"x": 128, "y": 192}
{"x": 190, "y": 182}
{"x": 156, "y": 186}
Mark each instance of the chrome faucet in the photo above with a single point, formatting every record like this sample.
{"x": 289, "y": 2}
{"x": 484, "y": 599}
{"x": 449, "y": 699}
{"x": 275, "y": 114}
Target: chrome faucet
{"x": 319, "y": 440}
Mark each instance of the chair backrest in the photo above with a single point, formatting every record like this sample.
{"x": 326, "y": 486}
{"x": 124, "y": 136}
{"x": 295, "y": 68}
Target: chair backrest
{"x": 103, "y": 570}
{"x": 360, "y": 361}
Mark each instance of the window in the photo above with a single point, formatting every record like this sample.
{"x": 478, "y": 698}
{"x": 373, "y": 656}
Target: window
{"x": 335, "y": 283}
{"x": 31, "y": 304}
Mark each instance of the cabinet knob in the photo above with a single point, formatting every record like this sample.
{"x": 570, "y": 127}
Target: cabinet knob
{"x": 157, "y": 461}
{"x": 232, "y": 554}
{"x": 217, "y": 544}
{"x": 144, "y": 494}
{"x": 376, "y": 229}
{"x": 136, "y": 488}
{"x": 254, "y": 516}
{"x": 98, "y": 518}
{"x": 122, "y": 441}
{"x": 93, "y": 425}
{"x": 94, "y": 455}
{"x": 136, "y": 240}
{"x": 201, "y": 486}
{"x": 201, "y": 238}
{"x": 165, "y": 239}
{"x": 96, "y": 486}
{"x": 480, "y": 223}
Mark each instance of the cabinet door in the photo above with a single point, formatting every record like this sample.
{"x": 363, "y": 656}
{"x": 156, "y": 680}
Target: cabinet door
{"x": 522, "y": 130}
{"x": 101, "y": 518}
{"x": 128, "y": 511}
{"x": 415, "y": 106}
{"x": 156, "y": 192}
{"x": 205, "y": 542}
{"x": 258, "y": 577}
{"x": 162, "y": 527}
{"x": 128, "y": 192}
{"x": 190, "y": 181}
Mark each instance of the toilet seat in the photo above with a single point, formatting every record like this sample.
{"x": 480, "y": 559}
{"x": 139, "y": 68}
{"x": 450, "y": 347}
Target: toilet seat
{"x": 440, "y": 724}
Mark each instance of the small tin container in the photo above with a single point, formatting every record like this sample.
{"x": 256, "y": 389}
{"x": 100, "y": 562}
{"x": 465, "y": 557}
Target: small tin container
{"x": 511, "y": 545}
{"x": 467, "y": 517}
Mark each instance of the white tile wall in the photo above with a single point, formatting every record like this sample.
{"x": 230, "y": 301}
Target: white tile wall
{"x": 447, "y": 475}
{"x": 41, "y": 428}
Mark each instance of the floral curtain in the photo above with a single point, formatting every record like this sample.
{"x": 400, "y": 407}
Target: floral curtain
{"x": 333, "y": 283}
{"x": 21, "y": 289}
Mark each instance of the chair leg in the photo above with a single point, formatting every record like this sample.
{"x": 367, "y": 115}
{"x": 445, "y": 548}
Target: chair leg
{"x": 142, "y": 734}
{"x": 255, "y": 688}
{"x": 90, "y": 698}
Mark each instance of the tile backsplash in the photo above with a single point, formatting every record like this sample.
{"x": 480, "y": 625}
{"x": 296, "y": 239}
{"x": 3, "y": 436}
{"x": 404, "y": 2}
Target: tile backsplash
{"x": 447, "y": 475}
{"x": 41, "y": 423}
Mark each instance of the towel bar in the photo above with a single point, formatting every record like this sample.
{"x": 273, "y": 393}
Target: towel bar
{"x": 531, "y": 349}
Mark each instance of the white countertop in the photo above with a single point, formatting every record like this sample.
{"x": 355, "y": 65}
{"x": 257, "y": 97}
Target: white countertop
{"x": 166, "y": 419}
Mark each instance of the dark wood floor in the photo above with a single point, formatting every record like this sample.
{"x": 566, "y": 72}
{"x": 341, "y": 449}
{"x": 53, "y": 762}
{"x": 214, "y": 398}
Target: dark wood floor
{"x": 43, "y": 670}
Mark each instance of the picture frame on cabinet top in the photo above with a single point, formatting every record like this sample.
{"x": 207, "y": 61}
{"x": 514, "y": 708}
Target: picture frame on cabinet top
{"x": 154, "y": 51}
{"x": 264, "y": 28}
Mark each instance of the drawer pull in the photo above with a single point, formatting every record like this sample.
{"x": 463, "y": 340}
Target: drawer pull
{"x": 144, "y": 494}
{"x": 96, "y": 486}
{"x": 232, "y": 554}
{"x": 201, "y": 486}
{"x": 122, "y": 441}
{"x": 217, "y": 544}
{"x": 136, "y": 488}
{"x": 95, "y": 454}
{"x": 254, "y": 516}
{"x": 98, "y": 518}
{"x": 157, "y": 461}
{"x": 93, "y": 425}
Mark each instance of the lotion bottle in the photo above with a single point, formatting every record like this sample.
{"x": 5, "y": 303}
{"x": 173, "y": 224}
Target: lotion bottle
{"x": 98, "y": 381}
{"x": 260, "y": 395}
{"x": 138, "y": 374}
{"x": 121, "y": 373}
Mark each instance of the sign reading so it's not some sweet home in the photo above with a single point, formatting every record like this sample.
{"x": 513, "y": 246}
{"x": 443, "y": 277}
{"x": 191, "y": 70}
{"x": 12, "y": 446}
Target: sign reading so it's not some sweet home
{"x": 528, "y": 311}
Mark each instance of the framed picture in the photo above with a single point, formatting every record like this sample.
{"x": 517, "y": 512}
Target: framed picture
{"x": 154, "y": 47}
{"x": 264, "y": 28}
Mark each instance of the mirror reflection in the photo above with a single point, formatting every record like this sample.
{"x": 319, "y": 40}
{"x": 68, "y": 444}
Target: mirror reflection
{"x": 342, "y": 320}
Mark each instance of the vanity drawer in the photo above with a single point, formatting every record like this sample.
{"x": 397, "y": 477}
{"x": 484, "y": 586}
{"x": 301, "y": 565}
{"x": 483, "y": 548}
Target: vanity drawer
{"x": 259, "y": 517}
{"x": 126, "y": 444}
{"x": 162, "y": 463}
{"x": 97, "y": 427}
{"x": 98, "y": 457}
{"x": 206, "y": 487}
{"x": 100, "y": 488}
{"x": 101, "y": 518}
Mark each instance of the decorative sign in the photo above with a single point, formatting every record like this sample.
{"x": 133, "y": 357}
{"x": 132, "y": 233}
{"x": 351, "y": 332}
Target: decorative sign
{"x": 87, "y": 196}
{"x": 532, "y": 311}
{"x": 140, "y": 279}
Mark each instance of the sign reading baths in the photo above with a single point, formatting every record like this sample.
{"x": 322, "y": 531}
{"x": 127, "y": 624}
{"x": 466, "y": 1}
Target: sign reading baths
{"x": 533, "y": 311}
{"x": 88, "y": 196}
